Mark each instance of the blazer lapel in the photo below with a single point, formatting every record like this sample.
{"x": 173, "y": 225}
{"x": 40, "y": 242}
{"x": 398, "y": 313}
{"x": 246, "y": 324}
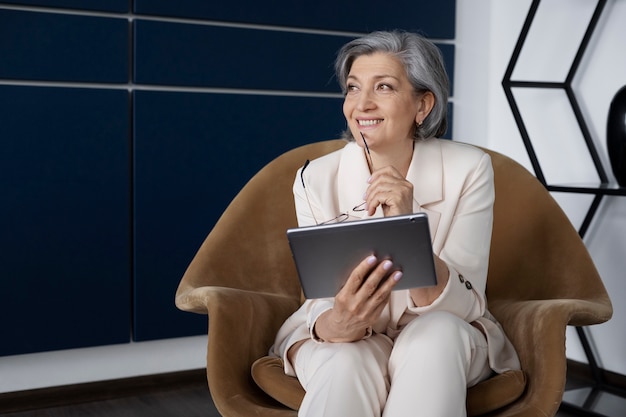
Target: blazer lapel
{"x": 426, "y": 175}
{"x": 353, "y": 173}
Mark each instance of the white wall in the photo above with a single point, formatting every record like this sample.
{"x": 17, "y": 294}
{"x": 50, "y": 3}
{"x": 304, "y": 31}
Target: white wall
{"x": 486, "y": 34}
{"x": 38, "y": 370}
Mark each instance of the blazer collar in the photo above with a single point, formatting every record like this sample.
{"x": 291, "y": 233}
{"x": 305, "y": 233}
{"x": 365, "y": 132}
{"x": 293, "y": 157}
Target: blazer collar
{"x": 426, "y": 172}
{"x": 352, "y": 175}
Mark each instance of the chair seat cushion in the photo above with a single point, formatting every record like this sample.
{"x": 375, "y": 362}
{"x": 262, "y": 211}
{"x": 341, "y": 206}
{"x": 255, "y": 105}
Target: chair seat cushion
{"x": 496, "y": 392}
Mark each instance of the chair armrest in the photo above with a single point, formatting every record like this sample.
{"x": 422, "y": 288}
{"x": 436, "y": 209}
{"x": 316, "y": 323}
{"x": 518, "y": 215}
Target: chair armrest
{"x": 537, "y": 330}
{"x": 242, "y": 327}
{"x": 524, "y": 320}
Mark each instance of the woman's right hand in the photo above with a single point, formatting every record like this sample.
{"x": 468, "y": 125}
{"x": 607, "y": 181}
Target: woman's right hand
{"x": 360, "y": 301}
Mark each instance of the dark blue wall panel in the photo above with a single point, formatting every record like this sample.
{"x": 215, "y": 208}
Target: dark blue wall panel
{"x": 197, "y": 55}
{"x": 103, "y": 5}
{"x": 448, "y": 134}
{"x": 447, "y": 51}
{"x": 56, "y": 47}
{"x": 435, "y": 19}
{"x": 193, "y": 153}
{"x": 64, "y": 217}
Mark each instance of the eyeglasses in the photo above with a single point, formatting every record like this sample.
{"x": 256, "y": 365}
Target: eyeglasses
{"x": 342, "y": 217}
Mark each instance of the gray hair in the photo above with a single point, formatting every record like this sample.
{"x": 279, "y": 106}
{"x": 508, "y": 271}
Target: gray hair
{"x": 424, "y": 66}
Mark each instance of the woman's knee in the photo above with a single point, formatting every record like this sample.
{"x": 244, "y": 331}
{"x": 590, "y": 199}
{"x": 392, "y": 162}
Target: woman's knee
{"x": 354, "y": 358}
{"x": 436, "y": 321}
{"x": 435, "y": 331}
{"x": 368, "y": 358}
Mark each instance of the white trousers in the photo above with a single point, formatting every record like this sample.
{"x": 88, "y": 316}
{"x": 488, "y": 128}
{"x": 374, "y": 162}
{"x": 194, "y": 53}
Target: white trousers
{"x": 425, "y": 372}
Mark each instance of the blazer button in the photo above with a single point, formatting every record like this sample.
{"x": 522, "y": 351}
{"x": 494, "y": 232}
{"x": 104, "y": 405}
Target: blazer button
{"x": 468, "y": 285}
{"x": 461, "y": 278}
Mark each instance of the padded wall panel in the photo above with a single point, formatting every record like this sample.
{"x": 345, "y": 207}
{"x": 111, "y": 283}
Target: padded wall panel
{"x": 434, "y": 18}
{"x": 199, "y": 55}
{"x": 196, "y": 55}
{"x": 193, "y": 153}
{"x": 65, "y": 218}
{"x": 448, "y": 134}
{"x": 447, "y": 51}
{"x": 103, "y": 5}
{"x": 58, "y": 47}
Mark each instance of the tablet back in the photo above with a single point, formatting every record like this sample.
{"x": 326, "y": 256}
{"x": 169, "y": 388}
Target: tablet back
{"x": 326, "y": 254}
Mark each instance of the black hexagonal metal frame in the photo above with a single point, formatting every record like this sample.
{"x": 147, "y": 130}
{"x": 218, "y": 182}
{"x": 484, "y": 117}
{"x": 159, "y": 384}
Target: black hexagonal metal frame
{"x": 598, "y": 190}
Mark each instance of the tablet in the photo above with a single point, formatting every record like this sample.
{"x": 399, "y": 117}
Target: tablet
{"x": 325, "y": 255}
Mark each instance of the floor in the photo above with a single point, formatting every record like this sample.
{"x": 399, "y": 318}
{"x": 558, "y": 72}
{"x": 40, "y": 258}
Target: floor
{"x": 183, "y": 402}
{"x": 188, "y": 401}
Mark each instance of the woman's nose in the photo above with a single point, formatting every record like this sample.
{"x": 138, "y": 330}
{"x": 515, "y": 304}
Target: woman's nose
{"x": 366, "y": 100}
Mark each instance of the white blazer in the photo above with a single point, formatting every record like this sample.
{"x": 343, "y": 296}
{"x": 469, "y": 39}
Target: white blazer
{"x": 453, "y": 184}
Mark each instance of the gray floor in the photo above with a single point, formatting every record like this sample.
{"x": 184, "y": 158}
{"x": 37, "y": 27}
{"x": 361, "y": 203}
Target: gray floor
{"x": 185, "y": 394}
{"x": 184, "y": 402}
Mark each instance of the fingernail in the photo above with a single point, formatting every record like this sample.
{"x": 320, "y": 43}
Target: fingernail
{"x": 369, "y": 179}
{"x": 397, "y": 276}
{"x": 371, "y": 260}
{"x": 387, "y": 265}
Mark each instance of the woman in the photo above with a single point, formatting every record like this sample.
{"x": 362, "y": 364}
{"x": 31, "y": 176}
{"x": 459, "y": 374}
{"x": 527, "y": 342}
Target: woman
{"x": 370, "y": 351}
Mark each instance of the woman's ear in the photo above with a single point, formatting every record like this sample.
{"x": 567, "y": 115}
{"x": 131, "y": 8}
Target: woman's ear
{"x": 425, "y": 104}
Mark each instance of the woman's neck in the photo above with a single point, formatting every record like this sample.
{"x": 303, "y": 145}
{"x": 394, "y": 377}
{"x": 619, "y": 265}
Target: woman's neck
{"x": 399, "y": 157}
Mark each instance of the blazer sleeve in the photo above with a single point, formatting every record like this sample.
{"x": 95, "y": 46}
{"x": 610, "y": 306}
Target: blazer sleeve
{"x": 300, "y": 324}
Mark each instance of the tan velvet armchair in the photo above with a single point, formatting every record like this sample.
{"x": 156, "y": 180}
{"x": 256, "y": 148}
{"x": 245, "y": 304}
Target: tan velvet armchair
{"x": 541, "y": 278}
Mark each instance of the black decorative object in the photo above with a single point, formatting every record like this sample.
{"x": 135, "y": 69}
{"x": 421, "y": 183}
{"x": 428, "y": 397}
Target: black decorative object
{"x": 616, "y": 135}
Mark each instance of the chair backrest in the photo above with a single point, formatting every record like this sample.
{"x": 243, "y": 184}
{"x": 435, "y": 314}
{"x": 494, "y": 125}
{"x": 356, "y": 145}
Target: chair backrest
{"x": 535, "y": 251}
{"x": 247, "y": 248}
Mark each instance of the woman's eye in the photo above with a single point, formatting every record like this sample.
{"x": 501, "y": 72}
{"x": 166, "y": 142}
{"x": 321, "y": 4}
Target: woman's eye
{"x": 384, "y": 87}
{"x": 351, "y": 88}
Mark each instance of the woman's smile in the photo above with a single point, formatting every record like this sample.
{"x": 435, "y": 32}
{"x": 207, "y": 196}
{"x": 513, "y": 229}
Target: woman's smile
{"x": 369, "y": 122}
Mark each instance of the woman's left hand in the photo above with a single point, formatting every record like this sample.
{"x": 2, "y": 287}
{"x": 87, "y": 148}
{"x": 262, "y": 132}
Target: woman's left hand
{"x": 389, "y": 189}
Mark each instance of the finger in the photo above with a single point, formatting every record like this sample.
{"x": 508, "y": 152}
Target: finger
{"x": 389, "y": 200}
{"x": 389, "y": 192}
{"x": 379, "y": 299}
{"x": 388, "y": 171}
{"x": 359, "y": 275}
{"x": 390, "y": 184}
{"x": 391, "y": 281}
{"x": 386, "y": 179}
{"x": 371, "y": 284}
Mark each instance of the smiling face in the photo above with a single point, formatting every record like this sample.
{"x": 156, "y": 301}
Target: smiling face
{"x": 381, "y": 103}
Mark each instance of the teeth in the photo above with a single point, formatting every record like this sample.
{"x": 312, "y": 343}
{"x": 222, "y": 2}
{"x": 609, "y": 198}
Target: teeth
{"x": 369, "y": 122}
